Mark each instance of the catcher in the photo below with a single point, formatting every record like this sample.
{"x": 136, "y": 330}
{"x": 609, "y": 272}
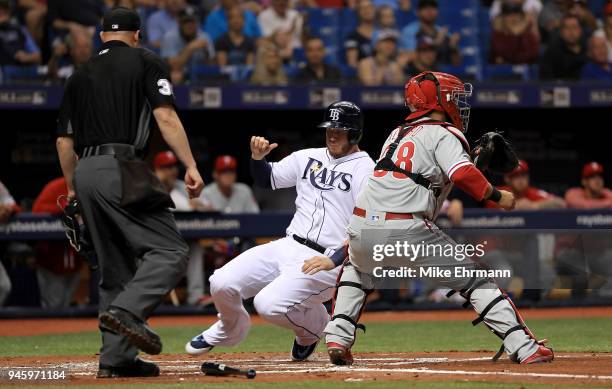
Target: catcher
{"x": 420, "y": 162}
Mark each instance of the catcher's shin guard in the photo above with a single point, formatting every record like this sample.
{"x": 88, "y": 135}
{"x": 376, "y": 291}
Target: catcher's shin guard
{"x": 497, "y": 311}
{"x": 348, "y": 305}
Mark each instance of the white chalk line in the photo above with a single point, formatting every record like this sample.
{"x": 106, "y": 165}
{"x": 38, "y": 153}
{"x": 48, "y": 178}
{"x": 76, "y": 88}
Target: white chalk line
{"x": 190, "y": 367}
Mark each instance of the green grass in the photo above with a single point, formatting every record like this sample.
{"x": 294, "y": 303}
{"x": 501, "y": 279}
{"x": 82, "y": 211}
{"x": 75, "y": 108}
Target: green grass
{"x": 564, "y": 335}
{"x": 322, "y": 384}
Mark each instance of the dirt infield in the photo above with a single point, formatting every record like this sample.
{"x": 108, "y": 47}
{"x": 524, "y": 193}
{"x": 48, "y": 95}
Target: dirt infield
{"x": 28, "y": 327}
{"x": 568, "y": 368}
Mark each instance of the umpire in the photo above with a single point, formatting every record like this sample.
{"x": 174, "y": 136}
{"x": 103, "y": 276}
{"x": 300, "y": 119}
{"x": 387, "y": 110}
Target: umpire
{"x": 103, "y": 128}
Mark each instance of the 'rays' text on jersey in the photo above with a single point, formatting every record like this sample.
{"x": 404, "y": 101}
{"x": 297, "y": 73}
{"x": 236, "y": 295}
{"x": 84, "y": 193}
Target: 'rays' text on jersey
{"x": 324, "y": 179}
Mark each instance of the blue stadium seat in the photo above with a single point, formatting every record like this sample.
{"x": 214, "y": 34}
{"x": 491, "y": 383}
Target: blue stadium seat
{"x": 323, "y": 17}
{"x": 507, "y": 72}
{"x": 205, "y": 72}
{"x": 403, "y": 18}
{"x": 348, "y": 72}
{"x": 16, "y": 74}
{"x": 349, "y": 19}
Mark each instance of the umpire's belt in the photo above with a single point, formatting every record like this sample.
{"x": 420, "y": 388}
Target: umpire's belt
{"x": 388, "y": 215}
{"x": 120, "y": 149}
{"x": 309, "y": 243}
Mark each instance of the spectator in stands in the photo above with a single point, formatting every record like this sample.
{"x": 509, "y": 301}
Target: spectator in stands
{"x": 58, "y": 265}
{"x": 78, "y": 48}
{"x": 8, "y": 207}
{"x": 385, "y": 20}
{"x": 268, "y": 66}
{"x": 382, "y": 68}
{"x": 551, "y": 15}
{"x": 33, "y": 13}
{"x": 75, "y": 16}
{"x": 593, "y": 193}
{"x": 580, "y": 9}
{"x": 225, "y": 194}
{"x": 599, "y": 66}
{"x": 515, "y": 37}
{"x": 358, "y": 44}
{"x": 315, "y": 70}
{"x": 233, "y": 47}
{"x": 527, "y": 197}
{"x": 16, "y": 44}
{"x": 163, "y": 21}
{"x": 216, "y": 23}
{"x": 447, "y": 44}
{"x": 186, "y": 46}
{"x": 425, "y": 59}
{"x": 165, "y": 165}
{"x": 283, "y": 25}
{"x": 606, "y": 30}
{"x": 531, "y": 8}
{"x": 565, "y": 58}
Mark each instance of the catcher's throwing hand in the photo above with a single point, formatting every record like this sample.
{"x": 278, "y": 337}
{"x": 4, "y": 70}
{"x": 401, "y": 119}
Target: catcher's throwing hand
{"x": 260, "y": 147}
{"x": 507, "y": 200}
{"x": 316, "y": 264}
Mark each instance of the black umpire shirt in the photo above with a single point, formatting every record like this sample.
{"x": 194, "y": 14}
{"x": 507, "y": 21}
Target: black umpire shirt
{"x": 110, "y": 99}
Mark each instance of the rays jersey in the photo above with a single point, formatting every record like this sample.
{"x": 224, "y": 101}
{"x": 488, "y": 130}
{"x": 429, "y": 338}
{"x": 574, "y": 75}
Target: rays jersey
{"x": 434, "y": 151}
{"x": 327, "y": 189}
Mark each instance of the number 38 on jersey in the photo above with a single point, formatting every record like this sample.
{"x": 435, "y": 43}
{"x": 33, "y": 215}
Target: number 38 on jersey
{"x": 405, "y": 152}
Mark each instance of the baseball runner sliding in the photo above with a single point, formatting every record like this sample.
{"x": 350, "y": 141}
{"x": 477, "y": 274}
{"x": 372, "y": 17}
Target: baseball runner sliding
{"x": 327, "y": 181}
{"x": 420, "y": 162}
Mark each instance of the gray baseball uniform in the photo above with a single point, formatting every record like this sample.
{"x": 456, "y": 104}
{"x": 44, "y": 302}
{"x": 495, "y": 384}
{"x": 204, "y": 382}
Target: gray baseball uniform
{"x": 436, "y": 152}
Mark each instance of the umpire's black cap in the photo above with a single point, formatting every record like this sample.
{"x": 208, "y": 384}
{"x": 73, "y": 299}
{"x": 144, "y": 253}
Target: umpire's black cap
{"x": 121, "y": 19}
{"x": 347, "y": 116}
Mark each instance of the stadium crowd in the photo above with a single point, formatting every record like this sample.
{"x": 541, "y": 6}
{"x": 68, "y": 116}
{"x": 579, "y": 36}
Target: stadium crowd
{"x": 278, "y": 42}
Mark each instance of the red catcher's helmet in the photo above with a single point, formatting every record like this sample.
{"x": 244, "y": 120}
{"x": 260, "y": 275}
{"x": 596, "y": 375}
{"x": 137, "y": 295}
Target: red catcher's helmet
{"x": 436, "y": 91}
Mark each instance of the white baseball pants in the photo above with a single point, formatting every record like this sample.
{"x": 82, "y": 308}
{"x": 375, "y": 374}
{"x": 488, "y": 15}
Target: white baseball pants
{"x": 283, "y": 294}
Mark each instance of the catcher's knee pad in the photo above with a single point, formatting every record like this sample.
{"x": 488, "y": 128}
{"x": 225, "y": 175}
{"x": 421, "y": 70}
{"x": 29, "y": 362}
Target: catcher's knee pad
{"x": 350, "y": 298}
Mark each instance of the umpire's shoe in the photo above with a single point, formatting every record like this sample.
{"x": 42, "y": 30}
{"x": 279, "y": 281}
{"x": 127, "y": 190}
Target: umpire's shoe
{"x": 138, "y": 368}
{"x": 198, "y": 346}
{"x": 301, "y": 353}
{"x": 134, "y": 329}
{"x": 339, "y": 355}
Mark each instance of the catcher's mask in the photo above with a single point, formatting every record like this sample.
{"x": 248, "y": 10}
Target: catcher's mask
{"x": 436, "y": 91}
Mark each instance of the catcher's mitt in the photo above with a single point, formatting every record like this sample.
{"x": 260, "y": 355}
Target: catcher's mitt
{"x": 493, "y": 153}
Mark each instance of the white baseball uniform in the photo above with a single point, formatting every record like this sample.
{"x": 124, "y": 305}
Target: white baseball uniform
{"x": 327, "y": 189}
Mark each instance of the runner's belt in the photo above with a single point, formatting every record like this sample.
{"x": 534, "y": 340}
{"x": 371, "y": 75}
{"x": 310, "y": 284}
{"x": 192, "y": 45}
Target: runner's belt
{"x": 309, "y": 243}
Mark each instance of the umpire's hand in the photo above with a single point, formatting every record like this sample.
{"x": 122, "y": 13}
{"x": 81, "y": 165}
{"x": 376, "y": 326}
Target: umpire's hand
{"x": 193, "y": 182}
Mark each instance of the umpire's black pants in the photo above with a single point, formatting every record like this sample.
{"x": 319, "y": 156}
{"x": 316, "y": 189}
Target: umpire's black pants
{"x": 141, "y": 253}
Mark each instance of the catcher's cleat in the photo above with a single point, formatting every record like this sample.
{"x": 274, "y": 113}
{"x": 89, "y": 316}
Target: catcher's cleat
{"x": 198, "y": 346}
{"x": 301, "y": 353}
{"x": 542, "y": 354}
{"x": 134, "y": 329}
{"x": 339, "y": 355}
{"x": 138, "y": 368}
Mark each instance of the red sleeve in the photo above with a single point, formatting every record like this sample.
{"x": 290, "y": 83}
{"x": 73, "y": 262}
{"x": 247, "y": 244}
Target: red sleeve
{"x": 46, "y": 202}
{"x": 470, "y": 180}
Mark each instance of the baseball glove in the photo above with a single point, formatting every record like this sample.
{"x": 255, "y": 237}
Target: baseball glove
{"x": 70, "y": 221}
{"x": 494, "y": 153}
